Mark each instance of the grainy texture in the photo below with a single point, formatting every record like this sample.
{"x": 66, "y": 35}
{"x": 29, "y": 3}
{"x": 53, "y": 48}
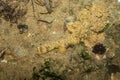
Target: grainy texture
{"x": 59, "y": 42}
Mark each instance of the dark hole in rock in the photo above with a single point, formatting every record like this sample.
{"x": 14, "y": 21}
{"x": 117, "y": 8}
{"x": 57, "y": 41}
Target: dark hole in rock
{"x": 99, "y": 49}
{"x": 22, "y": 28}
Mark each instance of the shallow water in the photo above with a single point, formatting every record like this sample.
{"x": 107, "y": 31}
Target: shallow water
{"x": 59, "y": 40}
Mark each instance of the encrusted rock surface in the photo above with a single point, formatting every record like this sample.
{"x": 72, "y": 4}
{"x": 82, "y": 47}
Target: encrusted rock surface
{"x": 86, "y": 29}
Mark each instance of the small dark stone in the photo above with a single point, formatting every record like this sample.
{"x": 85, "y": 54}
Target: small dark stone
{"x": 22, "y": 28}
{"x": 99, "y": 49}
{"x": 114, "y": 68}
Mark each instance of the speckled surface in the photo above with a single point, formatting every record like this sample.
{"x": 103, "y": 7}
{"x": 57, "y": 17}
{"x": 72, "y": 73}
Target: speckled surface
{"x": 67, "y": 36}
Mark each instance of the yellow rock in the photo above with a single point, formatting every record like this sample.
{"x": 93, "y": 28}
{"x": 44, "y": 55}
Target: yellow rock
{"x": 42, "y": 49}
{"x": 62, "y": 49}
{"x": 90, "y": 21}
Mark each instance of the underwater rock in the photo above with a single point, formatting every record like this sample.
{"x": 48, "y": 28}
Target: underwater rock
{"x": 88, "y": 23}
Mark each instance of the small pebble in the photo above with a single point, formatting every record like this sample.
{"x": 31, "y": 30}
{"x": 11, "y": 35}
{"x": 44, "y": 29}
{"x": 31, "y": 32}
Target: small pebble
{"x": 70, "y": 19}
{"x": 53, "y": 32}
{"x": 4, "y": 61}
{"x": 20, "y": 52}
